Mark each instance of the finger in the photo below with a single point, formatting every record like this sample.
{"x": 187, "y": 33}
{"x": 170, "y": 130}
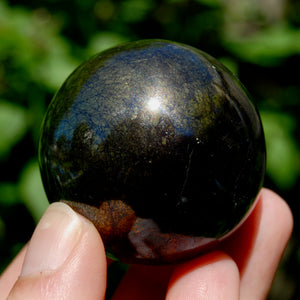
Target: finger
{"x": 258, "y": 245}
{"x": 11, "y": 274}
{"x": 65, "y": 259}
{"x": 211, "y": 276}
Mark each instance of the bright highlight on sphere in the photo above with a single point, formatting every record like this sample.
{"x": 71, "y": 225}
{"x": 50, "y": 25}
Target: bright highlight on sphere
{"x": 154, "y": 103}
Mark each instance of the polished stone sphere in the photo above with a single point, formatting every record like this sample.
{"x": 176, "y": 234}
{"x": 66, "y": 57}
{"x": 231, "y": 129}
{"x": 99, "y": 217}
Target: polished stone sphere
{"x": 158, "y": 145}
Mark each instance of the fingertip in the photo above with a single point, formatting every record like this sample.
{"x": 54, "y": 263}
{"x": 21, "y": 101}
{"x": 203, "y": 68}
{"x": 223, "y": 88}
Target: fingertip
{"x": 280, "y": 209}
{"x": 65, "y": 259}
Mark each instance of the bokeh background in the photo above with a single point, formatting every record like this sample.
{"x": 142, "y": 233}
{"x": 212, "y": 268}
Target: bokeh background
{"x": 41, "y": 42}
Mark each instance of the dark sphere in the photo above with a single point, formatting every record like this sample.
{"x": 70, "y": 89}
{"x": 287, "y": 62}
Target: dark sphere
{"x": 157, "y": 144}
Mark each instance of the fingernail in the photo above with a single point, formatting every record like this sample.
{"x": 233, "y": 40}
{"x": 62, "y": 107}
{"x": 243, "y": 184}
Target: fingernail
{"x": 53, "y": 240}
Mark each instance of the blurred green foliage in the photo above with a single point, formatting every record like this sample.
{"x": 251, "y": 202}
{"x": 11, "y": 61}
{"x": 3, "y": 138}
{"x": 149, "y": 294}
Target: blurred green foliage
{"x": 41, "y": 42}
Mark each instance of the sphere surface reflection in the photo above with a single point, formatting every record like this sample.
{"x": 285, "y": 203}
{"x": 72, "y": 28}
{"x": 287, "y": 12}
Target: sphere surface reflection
{"x": 157, "y": 144}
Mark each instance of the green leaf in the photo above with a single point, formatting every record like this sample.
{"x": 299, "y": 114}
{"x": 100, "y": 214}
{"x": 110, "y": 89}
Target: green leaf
{"x": 9, "y": 193}
{"x": 266, "y": 47}
{"x": 282, "y": 151}
{"x": 32, "y": 191}
{"x": 14, "y": 122}
{"x": 135, "y": 10}
{"x": 105, "y": 40}
{"x": 30, "y": 40}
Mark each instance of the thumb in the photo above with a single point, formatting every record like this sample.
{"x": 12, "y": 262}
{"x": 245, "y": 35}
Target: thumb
{"x": 65, "y": 259}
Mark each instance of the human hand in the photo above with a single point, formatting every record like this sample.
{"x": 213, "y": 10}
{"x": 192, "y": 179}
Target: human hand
{"x": 65, "y": 259}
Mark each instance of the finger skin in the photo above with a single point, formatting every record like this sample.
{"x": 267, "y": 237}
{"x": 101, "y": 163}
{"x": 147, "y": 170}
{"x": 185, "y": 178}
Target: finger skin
{"x": 257, "y": 247}
{"x": 212, "y": 276}
{"x": 11, "y": 274}
{"x": 81, "y": 276}
{"x": 9, "y": 277}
